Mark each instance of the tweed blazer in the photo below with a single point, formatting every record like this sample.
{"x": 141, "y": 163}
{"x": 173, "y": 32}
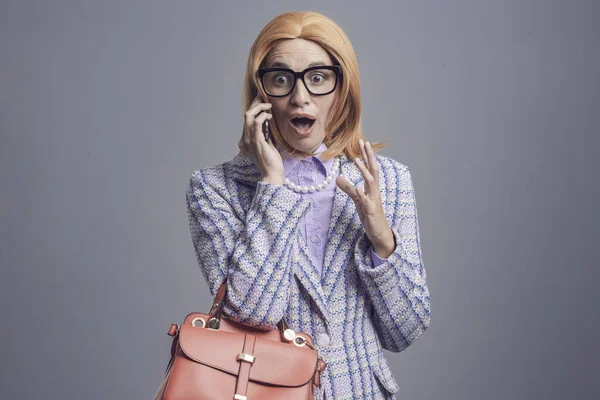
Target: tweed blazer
{"x": 246, "y": 231}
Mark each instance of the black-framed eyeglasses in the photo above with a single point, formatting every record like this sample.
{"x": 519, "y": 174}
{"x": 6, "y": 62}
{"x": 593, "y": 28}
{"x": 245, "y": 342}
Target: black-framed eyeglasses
{"x": 279, "y": 82}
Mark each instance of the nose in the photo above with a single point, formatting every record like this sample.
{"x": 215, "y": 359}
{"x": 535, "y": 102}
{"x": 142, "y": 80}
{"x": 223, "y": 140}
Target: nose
{"x": 300, "y": 95}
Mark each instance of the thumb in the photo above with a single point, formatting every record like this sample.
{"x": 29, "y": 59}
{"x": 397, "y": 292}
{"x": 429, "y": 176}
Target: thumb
{"x": 346, "y": 187}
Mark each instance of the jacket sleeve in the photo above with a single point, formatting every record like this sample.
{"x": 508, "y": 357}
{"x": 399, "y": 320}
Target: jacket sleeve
{"x": 253, "y": 251}
{"x": 397, "y": 285}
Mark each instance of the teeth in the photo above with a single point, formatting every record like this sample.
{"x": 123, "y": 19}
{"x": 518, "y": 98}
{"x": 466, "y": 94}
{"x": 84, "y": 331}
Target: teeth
{"x": 302, "y": 121}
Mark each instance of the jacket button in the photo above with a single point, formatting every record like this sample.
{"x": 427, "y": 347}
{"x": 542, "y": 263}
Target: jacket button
{"x": 323, "y": 340}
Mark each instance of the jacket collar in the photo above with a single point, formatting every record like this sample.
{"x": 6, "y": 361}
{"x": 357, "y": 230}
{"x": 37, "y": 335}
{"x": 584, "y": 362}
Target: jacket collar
{"x": 290, "y": 163}
{"x": 244, "y": 171}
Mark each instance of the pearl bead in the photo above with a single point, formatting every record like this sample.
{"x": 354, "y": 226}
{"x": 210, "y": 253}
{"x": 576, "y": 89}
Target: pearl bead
{"x": 312, "y": 189}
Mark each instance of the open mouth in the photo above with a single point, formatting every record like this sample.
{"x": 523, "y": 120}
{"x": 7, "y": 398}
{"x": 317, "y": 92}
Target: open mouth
{"x": 302, "y": 123}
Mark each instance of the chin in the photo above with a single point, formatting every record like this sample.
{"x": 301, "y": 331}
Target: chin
{"x": 306, "y": 144}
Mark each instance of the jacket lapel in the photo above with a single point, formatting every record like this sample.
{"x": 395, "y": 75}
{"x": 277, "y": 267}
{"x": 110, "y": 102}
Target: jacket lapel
{"x": 308, "y": 277}
{"x": 243, "y": 170}
{"x": 345, "y": 228}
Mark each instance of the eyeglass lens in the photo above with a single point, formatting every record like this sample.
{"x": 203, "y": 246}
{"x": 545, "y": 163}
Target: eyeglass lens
{"x": 318, "y": 81}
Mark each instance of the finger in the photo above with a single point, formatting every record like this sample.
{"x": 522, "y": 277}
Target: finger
{"x": 373, "y": 166}
{"x": 250, "y": 112}
{"x": 259, "y": 108}
{"x": 254, "y": 111}
{"x": 363, "y": 153}
{"x": 361, "y": 195}
{"x": 366, "y": 175}
{"x": 250, "y": 117}
{"x": 258, "y": 121}
{"x": 347, "y": 187}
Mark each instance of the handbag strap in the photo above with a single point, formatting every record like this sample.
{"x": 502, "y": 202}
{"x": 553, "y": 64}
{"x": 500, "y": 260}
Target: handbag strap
{"x": 215, "y": 314}
{"x": 217, "y": 306}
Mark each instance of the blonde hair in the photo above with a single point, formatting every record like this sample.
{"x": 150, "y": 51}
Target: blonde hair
{"x": 343, "y": 129}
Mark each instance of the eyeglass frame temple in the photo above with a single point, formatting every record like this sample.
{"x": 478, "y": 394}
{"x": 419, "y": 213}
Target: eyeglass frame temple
{"x": 262, "y": 71}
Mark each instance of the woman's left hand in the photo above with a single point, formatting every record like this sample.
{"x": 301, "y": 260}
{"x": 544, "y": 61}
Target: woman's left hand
{"x": 368, "y": 202}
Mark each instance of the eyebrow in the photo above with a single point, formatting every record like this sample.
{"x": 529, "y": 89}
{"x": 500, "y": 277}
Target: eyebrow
{"x": 284, "y": 65}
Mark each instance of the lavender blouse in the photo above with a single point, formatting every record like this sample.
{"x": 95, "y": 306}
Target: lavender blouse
{"x": 315, "y": 224}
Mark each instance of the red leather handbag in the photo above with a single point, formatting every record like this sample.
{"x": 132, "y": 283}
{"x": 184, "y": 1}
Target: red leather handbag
{"x": 217, "y": 359}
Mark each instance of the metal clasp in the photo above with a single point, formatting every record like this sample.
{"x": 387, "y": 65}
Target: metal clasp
{"x": 246, "y": 358}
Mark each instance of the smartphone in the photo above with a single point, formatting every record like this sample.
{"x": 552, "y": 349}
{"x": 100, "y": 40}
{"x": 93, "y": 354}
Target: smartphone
{"x": 265, "y": 126}
{"x": 266, "y": 130}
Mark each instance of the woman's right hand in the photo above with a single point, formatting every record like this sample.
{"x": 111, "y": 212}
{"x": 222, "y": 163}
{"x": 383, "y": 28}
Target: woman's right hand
{"x": 265, "y": 155}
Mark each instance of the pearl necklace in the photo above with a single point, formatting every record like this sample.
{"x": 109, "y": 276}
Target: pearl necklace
{"x": 311, "y": 189}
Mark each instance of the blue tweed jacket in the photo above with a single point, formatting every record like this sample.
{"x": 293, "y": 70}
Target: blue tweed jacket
{"x": 247, "y": 231}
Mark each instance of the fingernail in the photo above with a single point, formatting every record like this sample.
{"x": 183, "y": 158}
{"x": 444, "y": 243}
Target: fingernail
{"x": 362, "y": 142}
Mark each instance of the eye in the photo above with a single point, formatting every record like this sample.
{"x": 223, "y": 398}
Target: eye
{"x": 317, "y": 78}
{"x": 320, "y": 77}
{"x": 280, "y": 79}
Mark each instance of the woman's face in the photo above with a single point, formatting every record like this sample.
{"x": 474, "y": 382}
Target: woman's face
{"x": 299, "y": 54}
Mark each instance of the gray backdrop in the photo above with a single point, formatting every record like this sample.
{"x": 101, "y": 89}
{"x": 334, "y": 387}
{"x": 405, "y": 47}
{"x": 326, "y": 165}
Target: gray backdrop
{"x": 106, "y": 107}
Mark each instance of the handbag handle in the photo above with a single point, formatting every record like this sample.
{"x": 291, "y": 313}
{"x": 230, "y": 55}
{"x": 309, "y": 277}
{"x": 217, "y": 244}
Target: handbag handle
{"x": 215, "y": 314}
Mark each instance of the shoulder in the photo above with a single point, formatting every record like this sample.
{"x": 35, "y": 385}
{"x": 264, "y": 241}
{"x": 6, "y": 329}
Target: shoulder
{"x": 386, "y": 164}
{"x": 394, "y": 175}
{"x": 390, "y": 165}
{"x": 225, "y": 179}
{"x": 213, "y": 176}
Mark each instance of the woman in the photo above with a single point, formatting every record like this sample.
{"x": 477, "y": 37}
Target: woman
{"x": 339, "y": 260}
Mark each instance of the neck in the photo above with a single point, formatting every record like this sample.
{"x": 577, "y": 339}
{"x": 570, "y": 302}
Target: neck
{"x": 296, "y": 155}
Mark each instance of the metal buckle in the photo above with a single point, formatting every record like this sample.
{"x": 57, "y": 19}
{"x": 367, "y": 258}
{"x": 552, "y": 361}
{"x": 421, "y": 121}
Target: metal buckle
{"x": 299, "y": 341}
{"x": 246, "y": 358}
{"x": 214, "y": 324}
